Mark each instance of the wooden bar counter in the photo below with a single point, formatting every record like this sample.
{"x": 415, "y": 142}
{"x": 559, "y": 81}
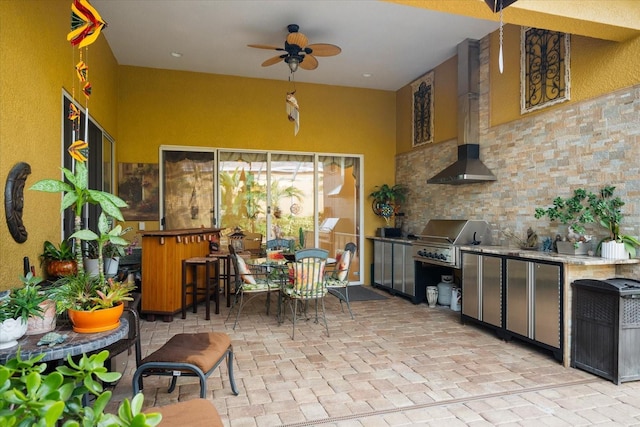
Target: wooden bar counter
{"x": 162, "y": 255}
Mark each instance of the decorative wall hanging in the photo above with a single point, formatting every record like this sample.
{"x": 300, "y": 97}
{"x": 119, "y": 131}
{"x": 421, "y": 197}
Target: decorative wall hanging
{"x": 545, "y": 68}
{"x": 14, "y": 201}
{"x": 422, "y": 110}
{"x": 138, "y": 186}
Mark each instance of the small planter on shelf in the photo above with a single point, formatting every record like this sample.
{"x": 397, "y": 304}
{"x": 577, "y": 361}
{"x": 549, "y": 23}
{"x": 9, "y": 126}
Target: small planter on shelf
{"x": 17, "y": 306}
{"x": 571, "y": 248}
{"x": 386, "y": 203}
{"x": 614, "y": 250}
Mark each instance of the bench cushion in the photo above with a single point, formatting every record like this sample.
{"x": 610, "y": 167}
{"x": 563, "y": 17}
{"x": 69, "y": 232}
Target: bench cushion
{"x": 203, "y": 349}
{"x": 192, "y": 413}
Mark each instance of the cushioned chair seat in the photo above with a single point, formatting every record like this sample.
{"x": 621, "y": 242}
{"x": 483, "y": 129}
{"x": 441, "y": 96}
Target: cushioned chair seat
{"x": 337, "y": 280}
{"x": 189, "y": 355}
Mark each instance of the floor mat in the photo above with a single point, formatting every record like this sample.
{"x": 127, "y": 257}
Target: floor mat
{"x": 361, "y": 293}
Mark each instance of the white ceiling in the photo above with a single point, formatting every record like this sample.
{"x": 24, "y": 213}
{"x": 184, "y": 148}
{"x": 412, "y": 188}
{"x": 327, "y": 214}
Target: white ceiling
{"x": 395, "y": 44}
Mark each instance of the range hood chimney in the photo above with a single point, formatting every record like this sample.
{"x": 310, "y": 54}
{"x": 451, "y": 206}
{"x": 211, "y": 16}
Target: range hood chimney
{"x": 468, "y": 169}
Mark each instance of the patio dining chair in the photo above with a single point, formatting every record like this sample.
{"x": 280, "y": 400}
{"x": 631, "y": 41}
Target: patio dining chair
{"x": 337, "y": 279}
{"x": 306, "y": 285}
{"x": 251, "y": 283}
{"x": 276, "y": 244}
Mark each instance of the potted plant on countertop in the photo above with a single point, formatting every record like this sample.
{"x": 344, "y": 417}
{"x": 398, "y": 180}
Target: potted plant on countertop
{"x": 587, "y": 207}
{"x": 31, "y": 396}
{"x": 16, "y": 307}
{"x": 607, "y": 209}
{"x": 386, "y": 203}
{"x": 575, "y": 212}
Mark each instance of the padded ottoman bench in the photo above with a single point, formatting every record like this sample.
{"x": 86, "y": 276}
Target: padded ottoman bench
{"x": 191, "y": 413}
{"x": 192, "y": 355}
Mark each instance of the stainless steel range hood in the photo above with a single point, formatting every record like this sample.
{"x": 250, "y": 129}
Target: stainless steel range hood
{"x": 468, "y": 169}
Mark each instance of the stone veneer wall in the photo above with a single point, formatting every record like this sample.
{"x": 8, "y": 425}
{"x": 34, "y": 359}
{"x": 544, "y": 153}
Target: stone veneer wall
{"x": 590, "y": 144}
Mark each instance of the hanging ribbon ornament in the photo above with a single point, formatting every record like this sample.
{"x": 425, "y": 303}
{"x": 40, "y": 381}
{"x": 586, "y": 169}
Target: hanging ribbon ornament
{"x": 79, "y": 150}
{"x": 86, "y": 24}
{"x": 293, "y": 112}
{"x": 74, "y": 113}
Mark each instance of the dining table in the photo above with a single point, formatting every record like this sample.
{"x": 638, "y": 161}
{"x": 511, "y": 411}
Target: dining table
{"x": 278, "y": 268}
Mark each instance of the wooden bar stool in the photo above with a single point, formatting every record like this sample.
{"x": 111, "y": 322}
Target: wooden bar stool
{"x": 225, "y": 272}
{"x": 212, "y": 271}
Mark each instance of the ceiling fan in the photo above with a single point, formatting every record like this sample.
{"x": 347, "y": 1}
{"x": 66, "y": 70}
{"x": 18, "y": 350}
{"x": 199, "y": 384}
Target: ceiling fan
{"x": 298, "y": 52}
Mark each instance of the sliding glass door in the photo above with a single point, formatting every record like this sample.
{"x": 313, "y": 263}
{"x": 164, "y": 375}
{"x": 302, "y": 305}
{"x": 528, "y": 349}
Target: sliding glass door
{"x": 314, "y": 200}
{"x": 311, "y": 199}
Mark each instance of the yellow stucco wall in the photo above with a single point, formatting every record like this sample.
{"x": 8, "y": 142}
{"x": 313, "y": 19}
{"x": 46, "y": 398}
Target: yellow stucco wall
{"x": 35, "y": 65}
{"x": 145, "y": 108}
{"x": 207, "y": 110}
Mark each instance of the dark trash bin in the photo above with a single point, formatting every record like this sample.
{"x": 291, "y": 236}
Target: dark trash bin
{"x": 606, "y": 328}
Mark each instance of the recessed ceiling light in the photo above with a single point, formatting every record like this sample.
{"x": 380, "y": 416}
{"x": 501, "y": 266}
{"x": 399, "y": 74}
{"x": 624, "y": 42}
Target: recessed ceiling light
{"x": 176, "y": 54}
{"x": 367, "y": 75}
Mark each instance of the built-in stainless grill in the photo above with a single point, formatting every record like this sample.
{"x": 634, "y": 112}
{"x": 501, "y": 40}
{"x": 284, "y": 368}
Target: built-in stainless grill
{"x": 440, "y": 240}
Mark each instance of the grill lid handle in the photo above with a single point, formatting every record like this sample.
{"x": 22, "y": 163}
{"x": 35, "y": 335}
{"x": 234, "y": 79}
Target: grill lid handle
{"x": 448, "y": 239}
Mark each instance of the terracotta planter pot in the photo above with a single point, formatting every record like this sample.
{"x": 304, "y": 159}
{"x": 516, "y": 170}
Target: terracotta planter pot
{"x": 56, "y": 268}
{"x": 46, "y": 323}
{"x": 88, "y": 322}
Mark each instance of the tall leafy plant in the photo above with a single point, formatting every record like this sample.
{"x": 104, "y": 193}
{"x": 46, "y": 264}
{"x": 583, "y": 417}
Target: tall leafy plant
{"x": 76, "y": 194}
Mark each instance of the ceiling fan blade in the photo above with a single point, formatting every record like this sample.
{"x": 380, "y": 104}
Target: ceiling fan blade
{"x": 324, "y": 49}
{"x": 265, "y": 46}
{"x": 309, "y": 63}
{"x": 273, "y": 60}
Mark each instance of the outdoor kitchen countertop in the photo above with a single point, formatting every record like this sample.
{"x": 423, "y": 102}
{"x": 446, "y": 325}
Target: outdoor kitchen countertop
{"x": 548, "y": 256}
{"x": 404, "y": 240}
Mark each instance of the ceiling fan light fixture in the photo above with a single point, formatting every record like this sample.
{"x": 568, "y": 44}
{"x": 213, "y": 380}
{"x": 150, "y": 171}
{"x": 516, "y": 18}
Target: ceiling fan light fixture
{"x": 293, "y": 62}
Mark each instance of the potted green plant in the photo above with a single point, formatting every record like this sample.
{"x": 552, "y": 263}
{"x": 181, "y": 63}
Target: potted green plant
{"x": 607, "y": 209}
{"x": 79, "y": 294}
{"x": 574, "y": 212}
{"x": 586, "y": 207}
{"x": 30, "y": 396}
{"x": 106, "y": 248}
{"x": 58, "y": 260}
{"x": 386, "y": 203}
{"x": 16, "y": 307}
{"x": 76, "y": 194}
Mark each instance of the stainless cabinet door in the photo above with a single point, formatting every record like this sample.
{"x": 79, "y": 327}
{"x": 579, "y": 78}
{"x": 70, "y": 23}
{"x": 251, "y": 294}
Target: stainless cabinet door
{"x": 517, "y": 309}
{"x": 378, "y": 262}
{"x": 547, "y": 304}
{"x": 387, "y": 264}
{"x": 409, "y": 272}
{"x": 398, "y": 267}
{"x": 491, "y": 291}
{"x": 470, "y": 285}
